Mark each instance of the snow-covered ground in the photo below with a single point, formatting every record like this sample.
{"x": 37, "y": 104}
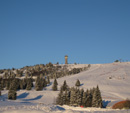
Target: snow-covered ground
{"x": 112, "y": 79}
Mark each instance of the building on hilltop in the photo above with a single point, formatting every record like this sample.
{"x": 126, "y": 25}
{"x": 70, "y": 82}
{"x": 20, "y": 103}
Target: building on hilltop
{"x": 66, "y": 59}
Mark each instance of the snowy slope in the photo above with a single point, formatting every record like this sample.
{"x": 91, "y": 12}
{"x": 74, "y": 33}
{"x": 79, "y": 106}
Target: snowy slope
{"x": 99, "y": 74}
{"x": 113, "y": 80}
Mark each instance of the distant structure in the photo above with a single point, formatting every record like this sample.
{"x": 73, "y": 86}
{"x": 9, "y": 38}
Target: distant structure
{"x": 66, "y": 59}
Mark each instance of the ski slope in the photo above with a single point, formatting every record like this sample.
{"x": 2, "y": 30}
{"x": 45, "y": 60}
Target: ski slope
{"x": 99, "y": 74}
{"x": 112, "y": 79}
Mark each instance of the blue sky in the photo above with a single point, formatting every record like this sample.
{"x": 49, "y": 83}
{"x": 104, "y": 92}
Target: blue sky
{"x": 41, "y": 31}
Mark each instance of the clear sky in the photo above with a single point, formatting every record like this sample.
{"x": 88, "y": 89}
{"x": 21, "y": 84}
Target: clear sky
{"x": 41, "y": 31}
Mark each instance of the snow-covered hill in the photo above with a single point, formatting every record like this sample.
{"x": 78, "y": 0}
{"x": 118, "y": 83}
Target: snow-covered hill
{"x": 112, "y": 79}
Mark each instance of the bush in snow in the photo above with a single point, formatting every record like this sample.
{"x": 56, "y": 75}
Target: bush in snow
{"x": 12, "y": 95}
{"x": 123, "y": 104}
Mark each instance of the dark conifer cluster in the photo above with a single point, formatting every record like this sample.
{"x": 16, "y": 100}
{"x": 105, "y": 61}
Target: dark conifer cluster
{"x": 26, "y": 83}
{"x": 14, "y": 84}
{"x": 51, "y": 70}
{"x": 41, "y": 82}
{"x": 79, "y": 97}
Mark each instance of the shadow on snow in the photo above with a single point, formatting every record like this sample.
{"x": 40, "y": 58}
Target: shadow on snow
{"x": 36, "y": 98}
{"x": 82, "y": 84}
{"x": 23, "y": 95}
{"x": 105, "y": 103}
{"x": 49, "y": 84}
{"x": 60, "y": 108}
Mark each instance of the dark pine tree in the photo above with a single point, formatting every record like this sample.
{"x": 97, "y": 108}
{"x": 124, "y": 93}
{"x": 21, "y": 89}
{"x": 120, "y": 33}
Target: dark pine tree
{"x": 48, "y": 80}
{"x": 79, "y": 98}
{"x": 12, "y": 91}
{"x": 1, "y": 84}
{"x": 81, "y": 93}
{"x": 44, "y": 82}
{"x": 39, "y": 84}
{"x": 67, "y": 97}
{"x": 54, "y": 87}
{"x": 89, "y": 99}
{"x": 77, "y": 84}
{"x": 97, "y": 99}
{"x": 29, "y": 84}
{"x": 64, "y": 86}
{"x": 23, "y": 83}
{"x": 59, "y": 99}
{"x": 73, "y": 97}
{"x": 84, "y": 99}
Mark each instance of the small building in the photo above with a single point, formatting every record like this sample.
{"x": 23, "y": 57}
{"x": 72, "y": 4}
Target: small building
{"x": 66, "y": 59}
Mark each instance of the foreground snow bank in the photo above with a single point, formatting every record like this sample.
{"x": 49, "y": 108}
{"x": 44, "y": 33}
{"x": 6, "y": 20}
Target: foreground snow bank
{"x": 55, "y": 109}
{"x": 22, "y": 111}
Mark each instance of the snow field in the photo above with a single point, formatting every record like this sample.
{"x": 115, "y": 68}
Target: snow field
{"x": 112, "y": 79}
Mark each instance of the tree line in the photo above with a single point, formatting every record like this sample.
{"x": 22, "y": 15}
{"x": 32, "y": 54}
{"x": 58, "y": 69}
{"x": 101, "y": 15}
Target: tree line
{"x": 51, "y": 70}
{"x": 14, "y": 84}
{"x": 75, "y": 96}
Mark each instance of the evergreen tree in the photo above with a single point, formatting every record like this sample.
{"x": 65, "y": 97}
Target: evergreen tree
{"x": 32, "y": 81}
{"x": 23, "y": 83}
{"x": 64, "y": 98}
{"x": 59, "y": 99}
{"x": 54, "y": 87}
{"x": 17, "y": 83}
{"x": 81, "y": 93}
{"x": 67, "y": 97}
{"x": 73, "y": 97}
{"x": 48, "y": 80}
{"x": 12, "y": 75}
{"x": 77, "y": 84}
{"x": 18, "y": 73}
{"x": 5, "y": 76}
{"x": 12, "y": 91}
{"x": 79, "y": 98}
{"x": 88, "y": 99}
{"x": 39, "y": 83}
{"x": 29, "y": 84}
{"x": 1, "y": 84}
{"x": 8, "y": 84}
{"x": 97, "y": 99}
{"x": 84, "y": 99}
{"x": 64, "y": 86}
{"x": 44, "y": 82}
{"x": 89, "y": 65}
{"x": 27, "y": 74}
